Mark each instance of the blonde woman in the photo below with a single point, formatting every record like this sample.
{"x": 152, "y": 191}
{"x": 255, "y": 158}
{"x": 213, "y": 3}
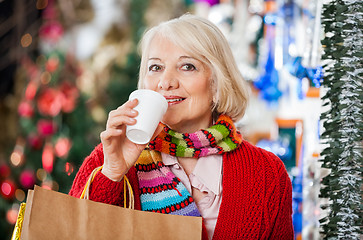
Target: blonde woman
{"x": 198, "y": 163}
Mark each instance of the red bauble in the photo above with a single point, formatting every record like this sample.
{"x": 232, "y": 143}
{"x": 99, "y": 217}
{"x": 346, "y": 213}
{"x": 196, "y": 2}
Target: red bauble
{"x": 48, "y": 157}
{"x": 25, "y": 109}
{"x": 69, "y": 168}
{"x": 62, "y": 147}
{"x": 7, "y": 189}
{"x": 51, "y": 31}
{"x": 31, "y": 90}
{"x": 70, "y": 95}
{"x": 50, "y": 102}
{"x": 52, "y": 64}
{"x": 12, "y": 215}
{"x": 46, "y": 127}
{"x": 27, "y": 179}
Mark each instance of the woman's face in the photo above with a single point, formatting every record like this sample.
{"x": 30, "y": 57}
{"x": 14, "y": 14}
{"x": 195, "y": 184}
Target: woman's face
{"x": 185, "y": 83}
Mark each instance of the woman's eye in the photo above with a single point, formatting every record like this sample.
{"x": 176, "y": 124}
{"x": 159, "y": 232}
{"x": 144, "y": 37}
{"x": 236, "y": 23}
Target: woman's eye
{"x": 188, "y": 67}
{"x": 154, "y": 68}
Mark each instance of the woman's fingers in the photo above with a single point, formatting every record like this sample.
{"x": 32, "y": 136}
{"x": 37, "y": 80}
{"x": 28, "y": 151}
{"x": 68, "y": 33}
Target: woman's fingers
{"x": 129, "y": 112}
{"x": 124, "y": 114}
{"x": 111, "y": 132}
{"x": 126, "y": 108}
{"x": 117, "y": 122}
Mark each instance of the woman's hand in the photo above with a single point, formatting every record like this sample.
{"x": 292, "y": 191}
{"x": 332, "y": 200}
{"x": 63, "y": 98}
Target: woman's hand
{"x": 120, "y": 154}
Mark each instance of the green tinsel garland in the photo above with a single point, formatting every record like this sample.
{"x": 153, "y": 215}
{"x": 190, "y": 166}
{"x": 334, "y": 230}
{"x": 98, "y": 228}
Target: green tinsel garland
{"x": 343, "y": 24}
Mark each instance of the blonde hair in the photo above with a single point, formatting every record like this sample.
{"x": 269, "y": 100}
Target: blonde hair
{"x": 205, "y": 42}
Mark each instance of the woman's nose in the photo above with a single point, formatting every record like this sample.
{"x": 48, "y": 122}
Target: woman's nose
{"x": 168, "y": 80}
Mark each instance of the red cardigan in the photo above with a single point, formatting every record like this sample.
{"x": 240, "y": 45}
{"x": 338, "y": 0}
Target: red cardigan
{"x": 256, "y": 201}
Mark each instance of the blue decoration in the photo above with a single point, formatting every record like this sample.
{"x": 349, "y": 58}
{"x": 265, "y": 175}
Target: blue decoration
{"x": 315, "y": 75}
{"x": 296, "y": 69}
{"x": 268, "y": 82}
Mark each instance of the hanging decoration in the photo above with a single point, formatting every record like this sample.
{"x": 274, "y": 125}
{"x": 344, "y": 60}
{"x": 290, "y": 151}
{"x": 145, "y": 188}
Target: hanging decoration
{"x": 268, "y": 82}
{"x": 343, "y": 119}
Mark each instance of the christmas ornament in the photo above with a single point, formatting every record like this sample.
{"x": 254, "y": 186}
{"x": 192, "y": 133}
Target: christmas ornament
{"x": 70, "y": 95}
{"x": 52, "y": 64}
{"x": 25, "y": 109}
{"x": 46, "y": 127}
{"x": 27, "y": 179}
{"x": 48, "y": 157}
{"x": 31, "y": 90}
{"x": 268, "y": 82}
{"x": 62, "y": 147}
{"x": 7, "y": 189}
{"x": 51, "y": 31}
{"x": 49, "y": 102}
{"x": 68, "y": 168}
{"x": 12, "y": 215}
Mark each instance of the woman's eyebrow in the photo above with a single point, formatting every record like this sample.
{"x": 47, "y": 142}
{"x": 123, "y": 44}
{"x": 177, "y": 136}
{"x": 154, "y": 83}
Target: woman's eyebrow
{"x": 186, "y": 57}
{"x": 180, "y": 58}
{"x": 154, "y": 58}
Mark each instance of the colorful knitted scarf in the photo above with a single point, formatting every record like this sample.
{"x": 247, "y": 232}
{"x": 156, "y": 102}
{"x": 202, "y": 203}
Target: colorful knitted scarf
{"x": 160, "y": 190}
{"x": 220, "y": 137}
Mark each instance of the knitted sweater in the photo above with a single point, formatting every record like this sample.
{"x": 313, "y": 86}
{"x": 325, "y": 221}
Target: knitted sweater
{"x": 256, "y": 202}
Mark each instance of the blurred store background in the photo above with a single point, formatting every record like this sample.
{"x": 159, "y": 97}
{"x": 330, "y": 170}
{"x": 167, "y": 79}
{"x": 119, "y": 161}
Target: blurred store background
{"x": 65, "y": 64}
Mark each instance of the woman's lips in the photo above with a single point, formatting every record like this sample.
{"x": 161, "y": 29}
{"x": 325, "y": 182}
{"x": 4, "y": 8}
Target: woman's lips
{"x": 173, "y": 100}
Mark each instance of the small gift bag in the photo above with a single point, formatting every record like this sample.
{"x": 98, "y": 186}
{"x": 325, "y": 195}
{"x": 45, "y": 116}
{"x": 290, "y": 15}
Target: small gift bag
{"x": 52, "y": 215}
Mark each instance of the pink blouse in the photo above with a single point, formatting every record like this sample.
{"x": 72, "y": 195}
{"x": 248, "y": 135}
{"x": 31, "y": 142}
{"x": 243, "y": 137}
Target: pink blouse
{"x": 206, "y": 177}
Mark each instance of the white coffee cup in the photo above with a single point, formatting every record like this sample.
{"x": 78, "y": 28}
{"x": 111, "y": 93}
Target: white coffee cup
{"x": 151, "y": 108}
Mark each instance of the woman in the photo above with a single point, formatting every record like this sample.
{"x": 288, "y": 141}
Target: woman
{"x": 198, "y": 164}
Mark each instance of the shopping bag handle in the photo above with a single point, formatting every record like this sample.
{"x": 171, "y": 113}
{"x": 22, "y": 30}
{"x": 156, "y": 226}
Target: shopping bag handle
{"x": 85, "y": 192}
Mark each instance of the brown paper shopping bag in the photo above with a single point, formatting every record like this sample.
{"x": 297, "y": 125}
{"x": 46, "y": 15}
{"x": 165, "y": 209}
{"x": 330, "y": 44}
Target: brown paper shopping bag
{"x": 53, "y": 215}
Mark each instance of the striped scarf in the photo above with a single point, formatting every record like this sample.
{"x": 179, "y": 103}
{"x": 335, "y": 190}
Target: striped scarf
{"x": 220, "y": 137}
{"x": 160, "y": 190}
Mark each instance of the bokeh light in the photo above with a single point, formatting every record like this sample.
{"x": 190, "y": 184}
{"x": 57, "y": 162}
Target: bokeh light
{"x": 20, "y": 195}
{"x": 16, "y": 158}
{"x": 41, "y": 174}
{"x": 41, "y": 4}
{"x": 68, "y": 168}
{"x": 45, "y": 77}
{"x": 26, "y": 40}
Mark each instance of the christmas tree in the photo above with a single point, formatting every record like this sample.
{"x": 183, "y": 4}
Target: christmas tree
{"x": 343, "y": 122}
{"x": 55, "y": 134}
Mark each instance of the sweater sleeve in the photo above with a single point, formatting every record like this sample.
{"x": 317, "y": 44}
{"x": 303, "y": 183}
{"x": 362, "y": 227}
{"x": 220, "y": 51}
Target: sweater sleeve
{"x": 102, "y": 189}
{"x": 281, "y": 199}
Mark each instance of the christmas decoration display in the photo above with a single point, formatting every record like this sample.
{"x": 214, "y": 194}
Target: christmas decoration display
{"x": 285, "y": 53}
{"x": 343, "y": 121}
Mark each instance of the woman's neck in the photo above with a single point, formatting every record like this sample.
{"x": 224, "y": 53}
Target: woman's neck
{"x": 191, "y": 126}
